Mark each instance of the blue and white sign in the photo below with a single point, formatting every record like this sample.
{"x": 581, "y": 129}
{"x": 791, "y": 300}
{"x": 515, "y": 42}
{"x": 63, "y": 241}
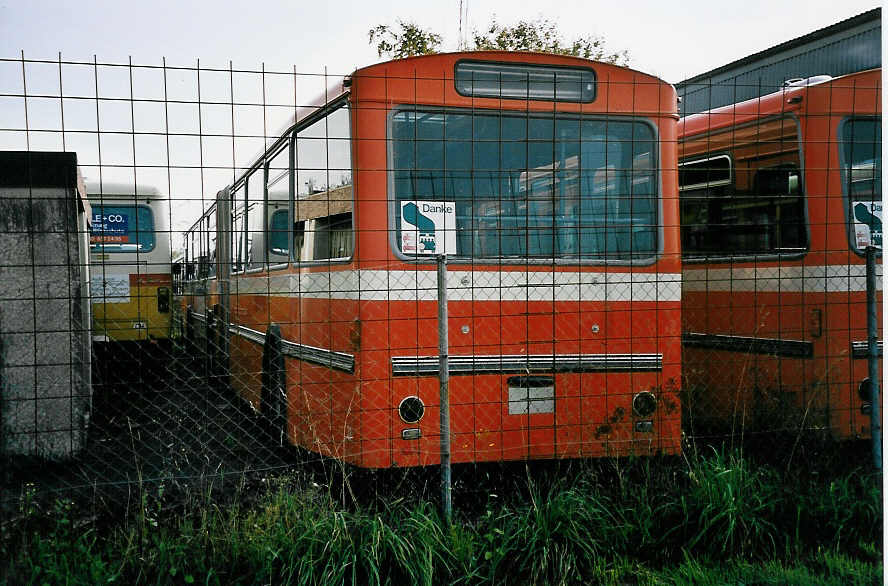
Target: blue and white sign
{"x": 112, "y": 224}
{"x": 867, "y": 223}
{"x": 428, "y": 227}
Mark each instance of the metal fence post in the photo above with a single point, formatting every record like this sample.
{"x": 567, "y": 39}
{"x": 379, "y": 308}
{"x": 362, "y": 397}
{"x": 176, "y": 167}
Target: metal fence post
{"x": 444, "y": 380}
{"x": 209, "y": 344}
{"x": 188, "y": 331}
{"x": 872, "y": 331}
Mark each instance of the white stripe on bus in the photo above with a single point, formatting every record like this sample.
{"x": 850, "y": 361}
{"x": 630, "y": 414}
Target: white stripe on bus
{"x": 787, "y": 279}
{"x": 382, "y": 285}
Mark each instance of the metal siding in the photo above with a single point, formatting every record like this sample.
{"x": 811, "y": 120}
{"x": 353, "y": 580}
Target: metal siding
{"x": 845, "y": 52}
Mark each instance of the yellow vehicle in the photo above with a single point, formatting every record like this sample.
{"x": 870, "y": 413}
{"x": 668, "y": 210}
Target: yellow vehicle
{"x": 131, "y": 283}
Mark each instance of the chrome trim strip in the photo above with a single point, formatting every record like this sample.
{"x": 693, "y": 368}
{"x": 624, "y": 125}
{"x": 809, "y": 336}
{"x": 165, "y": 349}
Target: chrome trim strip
{"x": 522, "y": 363}
{"x": 749, "y": 345}
{"x": 320, "y": 356}
{"x": 254, "y": 336}
{"x": 860, "y": 349}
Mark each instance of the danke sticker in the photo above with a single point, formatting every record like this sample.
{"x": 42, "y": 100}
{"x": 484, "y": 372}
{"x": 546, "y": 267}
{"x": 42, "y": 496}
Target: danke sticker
{"x": 867, "y": 218}
{"x": 428, "y": 227}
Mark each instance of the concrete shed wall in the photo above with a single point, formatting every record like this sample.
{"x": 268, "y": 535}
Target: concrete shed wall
{"x": 45, "y": 388}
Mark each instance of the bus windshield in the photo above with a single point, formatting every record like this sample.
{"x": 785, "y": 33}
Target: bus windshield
{"x": 122, "y": 228}
{"x": 526, "y": 185}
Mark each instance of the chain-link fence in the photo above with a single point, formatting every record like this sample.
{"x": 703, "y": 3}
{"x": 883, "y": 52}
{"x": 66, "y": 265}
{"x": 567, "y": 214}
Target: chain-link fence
{"x": 262, "y": 250}
{"x": 780, "y": 200}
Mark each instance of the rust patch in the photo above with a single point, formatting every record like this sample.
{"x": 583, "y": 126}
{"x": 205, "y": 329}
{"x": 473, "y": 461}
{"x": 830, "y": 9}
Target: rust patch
{"x": 354, "y": 334}
{"x": 669, "y": 406}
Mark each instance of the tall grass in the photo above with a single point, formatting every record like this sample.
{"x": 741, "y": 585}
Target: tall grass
{"x": 636, "y": 521}
{"x": 730, "y": 508}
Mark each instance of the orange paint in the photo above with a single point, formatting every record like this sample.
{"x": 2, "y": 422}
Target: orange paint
{"x": 814, "y": 298}
{"x": 368, "y": 312}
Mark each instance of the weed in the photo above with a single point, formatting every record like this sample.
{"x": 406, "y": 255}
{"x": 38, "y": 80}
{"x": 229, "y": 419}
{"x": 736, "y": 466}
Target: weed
{"x": 622, "y": 521}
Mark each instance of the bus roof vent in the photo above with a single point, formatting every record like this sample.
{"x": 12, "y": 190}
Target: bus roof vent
{"x": 806, "y": 81}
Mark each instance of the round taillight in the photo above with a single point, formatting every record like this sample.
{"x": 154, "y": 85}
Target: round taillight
{"x": 644, "y": 403}
{"x": 411, "y": 409}
{"x": 864, "y": 390}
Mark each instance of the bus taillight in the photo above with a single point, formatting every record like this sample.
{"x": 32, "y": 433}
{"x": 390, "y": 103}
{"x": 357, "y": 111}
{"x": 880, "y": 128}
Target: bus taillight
{"x": 163, "y": 299}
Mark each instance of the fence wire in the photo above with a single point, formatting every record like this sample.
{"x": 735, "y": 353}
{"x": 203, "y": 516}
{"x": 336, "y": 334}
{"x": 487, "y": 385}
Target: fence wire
{"x": 200, "y": 299}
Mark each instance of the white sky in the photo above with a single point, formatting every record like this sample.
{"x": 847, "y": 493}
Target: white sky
{"x": 674, "y": 40}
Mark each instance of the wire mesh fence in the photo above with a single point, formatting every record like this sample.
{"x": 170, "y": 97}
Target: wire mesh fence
{"x": 237, "y": 274}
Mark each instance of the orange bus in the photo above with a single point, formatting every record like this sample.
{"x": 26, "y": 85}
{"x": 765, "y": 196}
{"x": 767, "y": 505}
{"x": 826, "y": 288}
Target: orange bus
{"x": 780, "y": 195}
{"x": 549, "y": 182}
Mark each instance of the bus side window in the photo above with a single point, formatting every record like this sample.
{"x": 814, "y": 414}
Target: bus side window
{"x": 781, "y": 186}
{"x": 210, "y": 253}
{"x": 238, "y": 215}
{"x": 254, "y": 247}
{"x": 277, "y": 186}
{"x": 298, "y": 239}
{"x": 862, "y": 155}
{"x": 278, "y": 247}
{"x": 333, "y": 237}
{"x": 203, "y": 267}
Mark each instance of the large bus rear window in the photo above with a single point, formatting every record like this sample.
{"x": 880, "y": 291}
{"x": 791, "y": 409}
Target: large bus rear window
{"x": 524, "y": 185}
{"x": 122, "y": 228}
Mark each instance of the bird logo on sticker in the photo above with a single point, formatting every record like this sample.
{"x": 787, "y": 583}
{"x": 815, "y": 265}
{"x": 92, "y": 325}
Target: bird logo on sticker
{"x": 424, "y": 225}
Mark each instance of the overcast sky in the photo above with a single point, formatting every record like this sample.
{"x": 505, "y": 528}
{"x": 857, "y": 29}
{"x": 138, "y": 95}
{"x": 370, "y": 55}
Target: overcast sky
{"x": 673, "y": 40}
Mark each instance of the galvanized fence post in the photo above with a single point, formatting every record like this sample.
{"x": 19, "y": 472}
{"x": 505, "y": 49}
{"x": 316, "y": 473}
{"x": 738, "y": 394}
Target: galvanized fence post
{"x": 444, "y": 381}
{"x": 188, "y": 331}
{"x": 872, "y": 331}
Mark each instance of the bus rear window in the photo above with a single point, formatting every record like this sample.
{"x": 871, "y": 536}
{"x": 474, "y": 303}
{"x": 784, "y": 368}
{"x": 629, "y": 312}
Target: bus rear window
{"x": 746, "y": 200}
{"x": 489, "y": 185}
{"x": 862, "y": 180}
{"x": 122, "y": 228}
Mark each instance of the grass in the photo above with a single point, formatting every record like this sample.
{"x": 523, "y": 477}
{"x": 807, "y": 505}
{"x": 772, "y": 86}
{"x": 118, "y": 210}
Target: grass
{"x": 713, "y": 518}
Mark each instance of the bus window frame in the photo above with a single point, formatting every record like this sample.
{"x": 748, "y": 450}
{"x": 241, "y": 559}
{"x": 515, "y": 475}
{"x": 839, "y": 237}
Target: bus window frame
{"x": 290, "y": 136}
{"x": 288, "y": 142}
{"x": 764, "y": 256}
{"x": 260, "y": 167}
{"x": 555, "y": 260}
{"x": 846, "y": 195}
{"x": 716, "y": 183}
{"x": 235, "y": 258}
{"x": 323, "y": 112}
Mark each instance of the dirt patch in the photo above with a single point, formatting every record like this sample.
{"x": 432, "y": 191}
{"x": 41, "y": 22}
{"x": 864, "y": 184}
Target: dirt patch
{"x": 169, "y": 431}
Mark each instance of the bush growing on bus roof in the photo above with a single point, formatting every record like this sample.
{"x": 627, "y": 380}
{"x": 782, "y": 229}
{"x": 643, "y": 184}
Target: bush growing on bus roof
{"x": 406, "y": 39}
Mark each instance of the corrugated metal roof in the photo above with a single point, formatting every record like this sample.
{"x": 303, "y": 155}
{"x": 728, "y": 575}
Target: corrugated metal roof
{"x": 845, "y": 47}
